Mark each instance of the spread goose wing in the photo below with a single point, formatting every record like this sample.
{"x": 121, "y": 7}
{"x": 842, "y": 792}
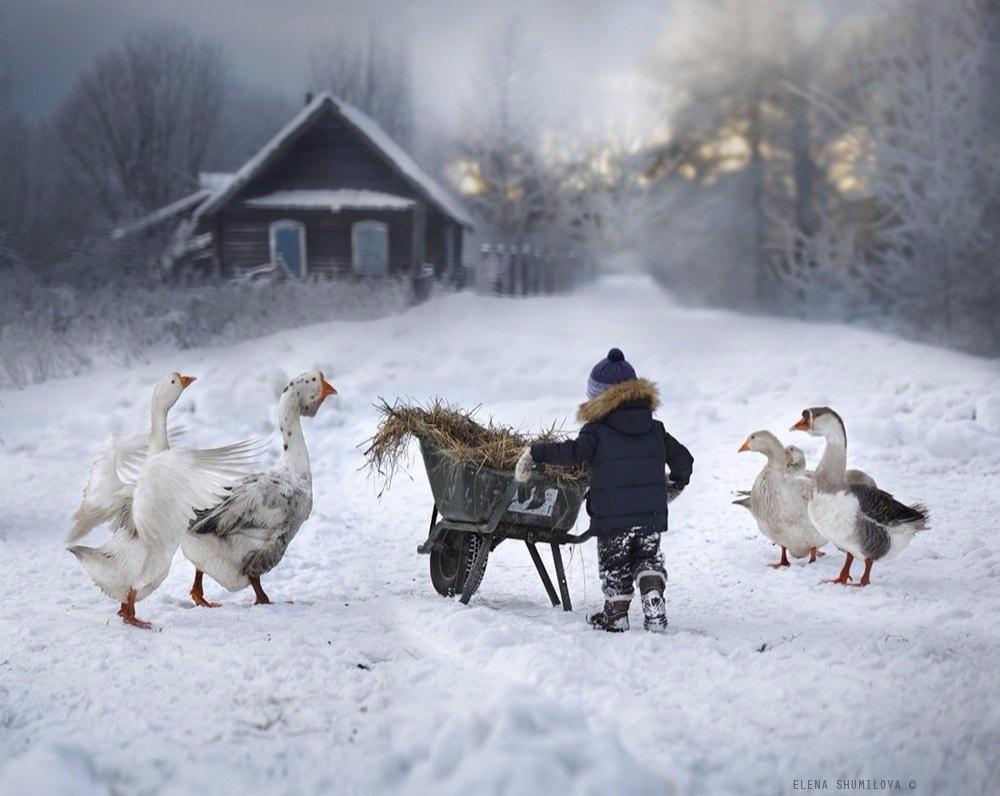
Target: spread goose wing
{"x": 106, "y": 494}
{"x": 129, "y": 458}
{"x": 174, "y": 483}
{"x": 262, "y": 505}
{"x": 883, "y": 509}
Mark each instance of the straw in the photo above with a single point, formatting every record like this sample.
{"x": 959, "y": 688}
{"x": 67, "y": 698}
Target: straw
{"x": 454, "y": 431}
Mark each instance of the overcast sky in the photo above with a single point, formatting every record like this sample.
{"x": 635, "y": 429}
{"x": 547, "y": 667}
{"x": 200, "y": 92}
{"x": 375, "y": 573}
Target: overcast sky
{"x": 46, "y": 42}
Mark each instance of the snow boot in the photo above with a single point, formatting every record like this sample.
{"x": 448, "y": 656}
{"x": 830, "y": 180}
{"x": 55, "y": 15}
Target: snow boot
{"x": 614, "y": 617}
{"x": 654, "y": 608}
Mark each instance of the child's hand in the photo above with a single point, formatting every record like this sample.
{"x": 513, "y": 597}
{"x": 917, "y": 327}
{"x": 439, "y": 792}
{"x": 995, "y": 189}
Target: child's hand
{"x": 673, "y": 490}
{"x": 522, "y": 470}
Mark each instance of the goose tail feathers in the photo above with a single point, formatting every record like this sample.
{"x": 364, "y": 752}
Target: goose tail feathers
{"x": 922, "y": 522}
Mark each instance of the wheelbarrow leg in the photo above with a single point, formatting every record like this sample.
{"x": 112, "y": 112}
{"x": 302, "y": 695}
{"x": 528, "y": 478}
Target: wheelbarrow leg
{"x": 561, "y": 577}
{"x": 471, "y": 579}
{"x": 542, "y": 572}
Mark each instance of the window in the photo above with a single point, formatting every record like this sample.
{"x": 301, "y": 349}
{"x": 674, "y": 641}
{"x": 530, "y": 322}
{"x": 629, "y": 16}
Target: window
{"x": 288, "y": 247}
{"x": 370, "y": 248}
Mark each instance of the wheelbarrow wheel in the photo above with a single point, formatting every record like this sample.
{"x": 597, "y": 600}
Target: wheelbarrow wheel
{"x": 452, "y": 563}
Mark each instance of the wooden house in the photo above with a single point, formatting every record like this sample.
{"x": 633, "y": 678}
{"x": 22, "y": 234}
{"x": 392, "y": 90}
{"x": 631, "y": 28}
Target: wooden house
{"x": 330, "y": 194}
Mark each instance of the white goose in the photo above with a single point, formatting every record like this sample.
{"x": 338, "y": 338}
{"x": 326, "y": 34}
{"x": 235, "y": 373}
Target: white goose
{"x": 147, "y": 491}
{"x": 860, "y": 519}
{"x": 246, "y": 534}
{"x": 779, "y": 501}
{"x": 796, "y": 465}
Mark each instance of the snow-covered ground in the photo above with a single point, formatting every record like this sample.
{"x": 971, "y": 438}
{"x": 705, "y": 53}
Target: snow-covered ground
{"x": 371, "y": 683}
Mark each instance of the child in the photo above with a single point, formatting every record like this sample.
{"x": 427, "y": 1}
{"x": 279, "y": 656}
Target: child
{"x": 626, "y": 450}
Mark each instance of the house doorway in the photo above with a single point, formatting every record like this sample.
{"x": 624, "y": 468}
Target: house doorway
{"x": 288, "y": 247}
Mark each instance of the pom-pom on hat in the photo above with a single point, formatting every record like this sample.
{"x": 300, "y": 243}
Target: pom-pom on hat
{"x": 611, "y": 370}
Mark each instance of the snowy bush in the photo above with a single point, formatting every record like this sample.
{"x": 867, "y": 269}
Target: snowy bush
{"x": 48, "y": 331}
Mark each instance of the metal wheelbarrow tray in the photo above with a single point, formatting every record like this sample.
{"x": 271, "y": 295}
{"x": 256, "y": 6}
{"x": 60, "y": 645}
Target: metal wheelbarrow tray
{"x": 479, "y": 507}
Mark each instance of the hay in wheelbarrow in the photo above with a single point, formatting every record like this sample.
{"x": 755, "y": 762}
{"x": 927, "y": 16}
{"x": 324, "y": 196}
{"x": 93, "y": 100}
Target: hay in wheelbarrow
{"x": 457, "y": 433}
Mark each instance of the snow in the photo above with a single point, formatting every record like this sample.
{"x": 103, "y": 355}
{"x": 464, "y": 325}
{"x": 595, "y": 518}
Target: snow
{"x": 369, "y": 128}
{"x": 214, "y": 181}
{"x": 371, "y": 683}
{"x": 164, "y": 213}
{"x": 335, "y": 200}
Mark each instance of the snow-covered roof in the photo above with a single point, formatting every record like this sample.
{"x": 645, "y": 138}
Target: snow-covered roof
{"x": 341, "y": 199}
{"x": 371, "y": 130}
{"x": 168, "y": 211}
{"x": 378, "y": 138}
{"x": 214, "y": 180}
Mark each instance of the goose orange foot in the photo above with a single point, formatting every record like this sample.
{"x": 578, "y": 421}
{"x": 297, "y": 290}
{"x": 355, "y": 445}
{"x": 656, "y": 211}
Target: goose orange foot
{"x": 198, "y": 593}
{"x": 262, "y": 598}
{"x": 199, "y": 599}
{"x": 866, "y": 577}
{"x": 127, "y": 613}
{"x": 783, "y": 562}
{"x": 845, "y": 573}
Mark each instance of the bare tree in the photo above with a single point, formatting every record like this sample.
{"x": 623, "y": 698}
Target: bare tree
{"x": 729, "y": 64}
{"x": 28, "y": 211}
{"x": 139, "y": 123}
{"x": 371, "y": 72}
{"x": 501, "y": 141}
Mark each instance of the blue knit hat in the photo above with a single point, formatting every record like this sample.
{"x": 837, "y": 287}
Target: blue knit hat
{"x": 609, "y": 372}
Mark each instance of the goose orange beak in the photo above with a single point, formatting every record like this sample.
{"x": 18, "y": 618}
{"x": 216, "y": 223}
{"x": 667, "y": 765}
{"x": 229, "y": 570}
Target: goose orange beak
{"x": 744, "y": 447}
{"x": 186, "y": 380}
{"x": 804, "y": 423}
{"x": 325, "y": 388}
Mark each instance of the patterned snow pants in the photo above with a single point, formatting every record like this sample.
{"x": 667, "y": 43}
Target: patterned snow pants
{"x": 624, "y": 557}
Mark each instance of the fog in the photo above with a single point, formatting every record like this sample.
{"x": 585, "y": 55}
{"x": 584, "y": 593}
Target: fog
{"x": 47, "y": 42}
{"x": 831, "y": 161}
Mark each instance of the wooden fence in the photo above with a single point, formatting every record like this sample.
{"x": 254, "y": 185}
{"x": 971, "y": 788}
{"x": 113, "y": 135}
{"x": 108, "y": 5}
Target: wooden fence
{"x": 528, "y": 270}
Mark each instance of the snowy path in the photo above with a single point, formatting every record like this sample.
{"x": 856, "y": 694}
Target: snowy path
{"x": 370, "y": 683}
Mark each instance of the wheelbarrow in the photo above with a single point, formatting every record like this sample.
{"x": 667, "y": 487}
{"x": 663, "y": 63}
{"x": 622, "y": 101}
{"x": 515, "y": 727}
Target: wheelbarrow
{"x": 477, "y": 507}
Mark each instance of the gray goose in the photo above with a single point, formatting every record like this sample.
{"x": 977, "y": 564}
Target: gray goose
{"x": 796, "y": 460}
{"x": 779, "y": 501}
{"x": 863, "y": 521}
{"x": 795, "y": 465}
{"x": 247, "y": 533}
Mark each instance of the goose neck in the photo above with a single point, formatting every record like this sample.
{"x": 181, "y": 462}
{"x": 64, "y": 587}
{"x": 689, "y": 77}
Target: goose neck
{"x": 831, "y": 474}
{"x": 158, "y": 428}
{"x": 294, "y": 454}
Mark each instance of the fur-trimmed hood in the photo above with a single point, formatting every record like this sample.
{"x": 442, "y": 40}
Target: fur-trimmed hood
{"x": 626, "y": 392}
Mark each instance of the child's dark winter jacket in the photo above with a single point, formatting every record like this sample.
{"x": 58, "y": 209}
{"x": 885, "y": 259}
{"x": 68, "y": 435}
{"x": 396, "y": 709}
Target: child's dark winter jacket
{"x": 626, "y": 450}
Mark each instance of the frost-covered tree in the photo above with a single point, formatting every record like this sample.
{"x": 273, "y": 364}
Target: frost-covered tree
{"x": 29, "y": 208}
{"x": 500, "y": 145}
{"x": 139, "y": 123}
{"x": 728, "y": 65}
{"x": 12, "y": 136}
{"x": 925, "y": 152}
{"x": 372, "y": 72}
{"x": 604, "y": 173}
